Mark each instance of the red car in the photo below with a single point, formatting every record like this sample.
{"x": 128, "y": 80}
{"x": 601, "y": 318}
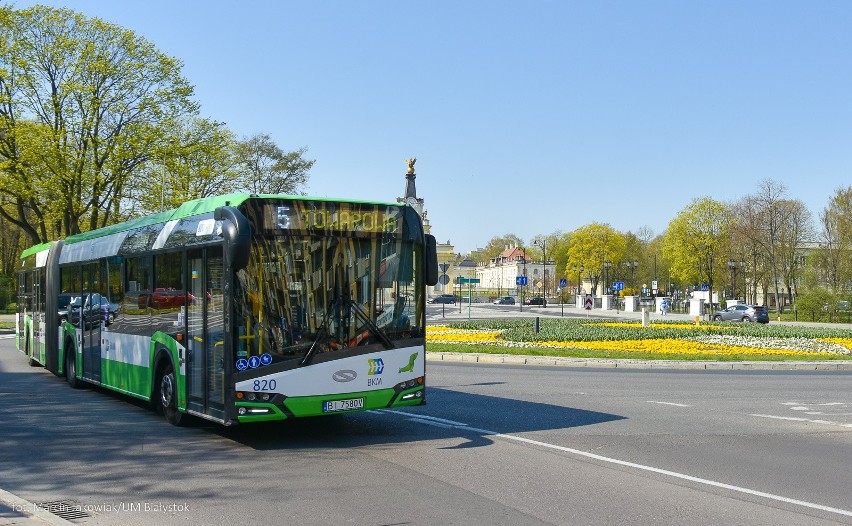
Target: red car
{"x": 163, "y": 298}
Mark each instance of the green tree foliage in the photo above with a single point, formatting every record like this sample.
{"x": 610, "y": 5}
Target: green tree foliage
{"x": 84, "y": 106}
{"x": 696, "y": 241}
{"x": 264, "y": 168}
{"x": 195, "y": 160}
{"x": 593, "y": 246}
{"x": 816, "y": 303}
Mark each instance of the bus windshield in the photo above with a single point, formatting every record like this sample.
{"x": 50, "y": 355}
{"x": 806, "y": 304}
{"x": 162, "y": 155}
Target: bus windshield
{"x": 307, "y": 297}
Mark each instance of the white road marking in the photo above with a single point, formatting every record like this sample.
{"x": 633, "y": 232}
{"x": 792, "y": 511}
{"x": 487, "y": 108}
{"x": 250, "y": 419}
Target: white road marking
{"x": 433, "y": 423}
{"x": 634, "y": 465}
{"x": 668, "y": 403}
{"x": 800, "y": 419}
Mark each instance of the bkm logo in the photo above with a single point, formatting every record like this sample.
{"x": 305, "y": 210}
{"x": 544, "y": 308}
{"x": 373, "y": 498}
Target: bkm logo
{"x": 376, "y": 366}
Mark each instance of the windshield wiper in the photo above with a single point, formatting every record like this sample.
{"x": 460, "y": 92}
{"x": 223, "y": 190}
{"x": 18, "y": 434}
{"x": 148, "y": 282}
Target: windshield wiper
{"x": 323, "y": 334}
{"x": 375, "y": 329}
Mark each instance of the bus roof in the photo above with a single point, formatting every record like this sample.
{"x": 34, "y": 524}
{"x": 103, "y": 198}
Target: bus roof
{"x": 196, "y": 207}
{"x": 188, "y": 209}
{"x": 35, "y": 249}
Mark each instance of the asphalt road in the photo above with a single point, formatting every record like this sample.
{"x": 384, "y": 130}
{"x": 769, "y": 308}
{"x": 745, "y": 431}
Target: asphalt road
{"x": 496, "y": 444}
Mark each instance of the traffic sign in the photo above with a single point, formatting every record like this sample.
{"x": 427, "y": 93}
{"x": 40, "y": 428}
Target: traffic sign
{"x": 617, "y": 285}
{"x": 444, "y": 267}
{"x": 563, "y": 283}
{"x": 443, "y": 279}
{"x": 468, "y": 280}
{"x": 589, "y": 302}
{"x": 705, "y": 287}
{"x": 521, "y": 281}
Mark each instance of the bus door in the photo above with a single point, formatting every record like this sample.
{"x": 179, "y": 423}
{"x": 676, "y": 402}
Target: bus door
{"x": 205, "y": 333}
{"x": 90, "y": 322}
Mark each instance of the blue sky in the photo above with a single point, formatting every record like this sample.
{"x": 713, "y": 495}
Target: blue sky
{"x": 527, "y": 117}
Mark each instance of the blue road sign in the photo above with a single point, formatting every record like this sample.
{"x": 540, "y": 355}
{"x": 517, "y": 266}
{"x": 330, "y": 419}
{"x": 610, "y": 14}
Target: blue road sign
{"x": 521, "y": 280}
{"x": 705, "y": 287}
{"x": 617, "y": 285}
{"x": 563, "y": 283}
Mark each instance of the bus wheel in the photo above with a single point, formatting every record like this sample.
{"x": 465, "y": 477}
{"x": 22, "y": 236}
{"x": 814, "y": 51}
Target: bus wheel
{"x": 71, "y": 369}
{"x": 168, "y": 397}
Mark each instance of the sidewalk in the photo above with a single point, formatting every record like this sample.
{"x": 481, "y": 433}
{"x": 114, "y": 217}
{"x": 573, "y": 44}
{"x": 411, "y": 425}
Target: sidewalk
{"x": 19, "y": 512}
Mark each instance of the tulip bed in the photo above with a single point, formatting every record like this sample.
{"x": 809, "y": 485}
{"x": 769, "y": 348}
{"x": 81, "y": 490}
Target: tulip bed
{"x": 669, "y": 340}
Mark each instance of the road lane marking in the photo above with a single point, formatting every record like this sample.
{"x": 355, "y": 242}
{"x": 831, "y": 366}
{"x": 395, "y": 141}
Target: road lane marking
{"x": 651, "y": 469}
{"x": 800, "y": 419}
{"x": 668, "y": 403}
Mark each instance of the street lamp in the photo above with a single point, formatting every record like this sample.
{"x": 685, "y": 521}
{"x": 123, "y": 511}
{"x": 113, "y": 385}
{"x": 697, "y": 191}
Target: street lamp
{"x": 607, "y": 264}
{"x": 543, "y": 245}
{"x": 631, "y": 266}
{"x": 734, "y": 265}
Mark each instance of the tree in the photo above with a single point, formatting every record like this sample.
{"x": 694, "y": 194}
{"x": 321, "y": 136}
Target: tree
{"x": 795, "y": 229}
{"x": 833, "y": 259}
{"x": 195, "y": 160}
{"x": 768, "y": 209}
{"x": 594, "y": 246}
{"x": 696, "y": 240}
{"x": 83, "y": 105}
{"x": 264, "y": 168}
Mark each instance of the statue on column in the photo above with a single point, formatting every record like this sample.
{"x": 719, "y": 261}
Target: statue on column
{"x": 410, "y": 163}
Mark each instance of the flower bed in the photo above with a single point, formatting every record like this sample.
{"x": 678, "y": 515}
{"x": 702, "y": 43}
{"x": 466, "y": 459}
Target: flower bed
{"x": 661, "y": 339}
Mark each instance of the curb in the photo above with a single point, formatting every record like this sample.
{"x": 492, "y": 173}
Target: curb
{"x": 31, "y": 510}
{"x": 513, "y": 359}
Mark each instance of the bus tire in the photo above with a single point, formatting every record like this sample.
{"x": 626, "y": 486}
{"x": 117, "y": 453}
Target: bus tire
{"x": 167, "y": 396}
{"x": 71, "y": 368}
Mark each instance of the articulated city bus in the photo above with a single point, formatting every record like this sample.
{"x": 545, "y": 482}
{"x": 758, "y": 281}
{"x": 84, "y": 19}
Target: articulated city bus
{"x": 238, "y": 308}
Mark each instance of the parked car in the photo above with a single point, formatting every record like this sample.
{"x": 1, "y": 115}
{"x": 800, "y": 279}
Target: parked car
{"x": 756, "y": 313}
{"x": 64, "y": 305}
{"x": 443, "y": 298}
{"x": 536, "y": 300}
{"x": 165, "y": 298}
{"x": 94, "y": 308}
{"x": 504, "y": 300}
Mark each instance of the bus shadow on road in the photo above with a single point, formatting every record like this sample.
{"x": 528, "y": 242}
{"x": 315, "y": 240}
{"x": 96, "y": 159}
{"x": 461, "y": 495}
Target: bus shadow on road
{"x": 474, "y": 417}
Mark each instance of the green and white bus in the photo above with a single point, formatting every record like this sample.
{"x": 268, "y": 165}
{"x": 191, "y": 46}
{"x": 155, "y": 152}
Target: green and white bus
{"x": 238, "y": 308}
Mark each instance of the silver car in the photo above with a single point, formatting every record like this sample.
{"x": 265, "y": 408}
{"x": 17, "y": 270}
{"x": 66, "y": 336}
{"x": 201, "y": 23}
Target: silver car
{"x": 746, "y": 313}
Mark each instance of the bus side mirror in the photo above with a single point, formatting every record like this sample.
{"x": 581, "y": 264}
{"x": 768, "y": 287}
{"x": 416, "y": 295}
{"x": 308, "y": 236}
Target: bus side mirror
{"x": 431, "y": 260}
{"x": 237, "y": 233}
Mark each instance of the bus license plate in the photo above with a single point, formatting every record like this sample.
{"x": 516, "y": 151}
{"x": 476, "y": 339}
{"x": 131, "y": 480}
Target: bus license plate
{"x": 343, "y": 405}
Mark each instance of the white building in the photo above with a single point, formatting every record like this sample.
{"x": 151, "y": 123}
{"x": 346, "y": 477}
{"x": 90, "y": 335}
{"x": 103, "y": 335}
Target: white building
{"x": 499, "y": 276}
